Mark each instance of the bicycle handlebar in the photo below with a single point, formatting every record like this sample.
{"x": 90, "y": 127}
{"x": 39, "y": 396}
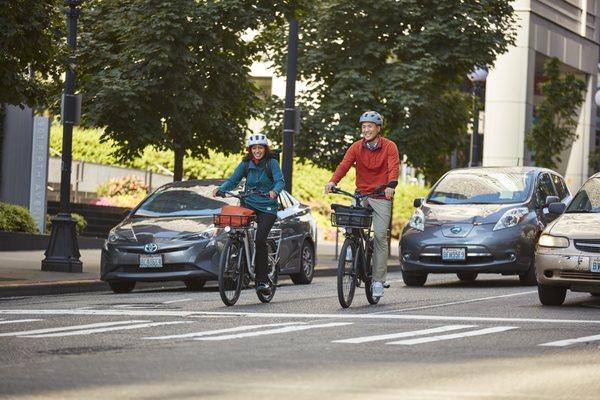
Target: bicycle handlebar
{"x": 241, "y": 195}
{"x": 379, "y": 191}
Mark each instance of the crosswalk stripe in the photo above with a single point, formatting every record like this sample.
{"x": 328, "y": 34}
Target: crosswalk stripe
{"x": 366, "y": 339}
{"x": 109, "y": 329}
{"x": 219, "y": 331}
{"x": 275, "y": 331}
{"x": 68, "y": 328}
{"x": 18, "y": 321}
{"x": 454, "y": 335}
{"x": 568, "y": 342}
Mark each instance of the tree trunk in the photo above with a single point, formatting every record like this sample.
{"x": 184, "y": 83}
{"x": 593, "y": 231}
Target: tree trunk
{"x": 178, "y": 171}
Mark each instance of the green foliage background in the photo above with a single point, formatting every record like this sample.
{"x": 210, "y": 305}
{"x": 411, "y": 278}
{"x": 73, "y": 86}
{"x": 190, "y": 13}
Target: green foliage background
{"x": 308, "y": 181}
{"x": 16, "y": 219}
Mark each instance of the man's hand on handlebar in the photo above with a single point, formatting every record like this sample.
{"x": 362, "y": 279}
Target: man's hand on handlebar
{"x": 329, "y": 187}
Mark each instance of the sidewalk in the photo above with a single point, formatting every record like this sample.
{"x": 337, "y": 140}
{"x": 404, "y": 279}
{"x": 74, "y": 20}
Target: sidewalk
{"x": 21, "y": 274}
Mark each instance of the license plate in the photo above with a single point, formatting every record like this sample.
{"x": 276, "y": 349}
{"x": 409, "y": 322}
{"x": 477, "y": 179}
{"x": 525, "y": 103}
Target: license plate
{"x": 454, "y": 254}
{"x": 595, "y": 264}
{"x": 147, "y": 261}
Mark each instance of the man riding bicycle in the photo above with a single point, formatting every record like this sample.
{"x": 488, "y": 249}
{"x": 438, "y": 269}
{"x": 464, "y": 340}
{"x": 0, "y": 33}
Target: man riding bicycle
{"x": 377, "y": 164}
{"x": 263, "y": 175}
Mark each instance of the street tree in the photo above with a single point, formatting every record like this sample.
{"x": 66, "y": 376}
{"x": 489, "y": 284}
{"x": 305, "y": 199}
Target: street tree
{"x": 555, "y": 116}
{"x": 406, "y": 59}
{"x": 172, "y": 74}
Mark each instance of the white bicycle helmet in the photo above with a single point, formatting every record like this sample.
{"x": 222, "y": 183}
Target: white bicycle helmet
{"x": 258, "y": 138}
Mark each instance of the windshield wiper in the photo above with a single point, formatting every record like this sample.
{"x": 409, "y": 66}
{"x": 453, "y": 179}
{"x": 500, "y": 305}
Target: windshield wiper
{"x": 435, "y": 201}
{"x": 578, "y": 211}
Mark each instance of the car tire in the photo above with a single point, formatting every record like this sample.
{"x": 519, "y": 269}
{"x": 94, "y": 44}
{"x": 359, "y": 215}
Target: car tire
{"x": 529, "y": 278}
{"x": 121, "y": 286}
{"x": 551, "y": 295}
{"x": 307, "y": 265}
{"x": 414, "y": 279}
{"x": 195, "y": 284}
{"x": 467, "y": 276}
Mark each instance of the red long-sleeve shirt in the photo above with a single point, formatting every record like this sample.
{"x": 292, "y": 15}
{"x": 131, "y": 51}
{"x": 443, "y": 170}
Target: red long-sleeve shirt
{"x": 373, "y": 167}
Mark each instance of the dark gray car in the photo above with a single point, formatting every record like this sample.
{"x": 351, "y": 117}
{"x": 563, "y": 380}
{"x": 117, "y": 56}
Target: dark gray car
{"x": 480, "y": 220}
{"x": 170, "y": 236}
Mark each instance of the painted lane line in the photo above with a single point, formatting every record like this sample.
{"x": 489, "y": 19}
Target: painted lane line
{"x": 366, "y": 339}
{"x": 17, "y": 321}
{"x": 220, "y": 331}
{"x": 568, "y": 342}
{"x": 286, "y": 329}
{"x": 176, "y": 301}
{"x": 341, "y": 315}
{"x": 451, "y": 336}
{"x": 109, "y": 329}
{"x": 458, "y": 302}
{"x": 68, "y": 328}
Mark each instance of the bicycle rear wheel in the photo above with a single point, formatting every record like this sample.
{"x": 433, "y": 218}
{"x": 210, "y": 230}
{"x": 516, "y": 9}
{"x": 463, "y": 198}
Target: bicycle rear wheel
{"x": 369, "y": 276}
{"x": 346, "y": 276}
{"x": 273, "y": 273}
{"x": 231, "y": 271}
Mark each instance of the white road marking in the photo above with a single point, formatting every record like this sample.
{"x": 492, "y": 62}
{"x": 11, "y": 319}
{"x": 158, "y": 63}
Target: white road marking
{"x": 450, "y": 336}
{"x": 568, "y": 342}
{"x": 275, "y": 331}
{"x": 341, "y": 315}
{"x": 219, "y": 331}
{"x": 17, "y": 321}
{"x": 458, "y": 302}
{"x": 68, "y": 328}
{"x": 109, "y": 329}
{"x": 366, "y": 339}
{"x": 176, "y": 301}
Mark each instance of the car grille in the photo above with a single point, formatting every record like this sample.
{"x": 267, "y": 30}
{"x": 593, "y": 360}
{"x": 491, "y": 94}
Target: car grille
{"x": 585, "y": 275}
{"x": 165, "y": 268}
{"x": 590, "y": 246}
{"x": 437, "y": 259}
{"x": 159, "y": 251}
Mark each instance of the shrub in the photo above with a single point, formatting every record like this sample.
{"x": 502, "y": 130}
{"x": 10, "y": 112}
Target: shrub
{"x": 127, "y": 185}
{"x": 15, "y": 218}
{"x": 80, "y": 223}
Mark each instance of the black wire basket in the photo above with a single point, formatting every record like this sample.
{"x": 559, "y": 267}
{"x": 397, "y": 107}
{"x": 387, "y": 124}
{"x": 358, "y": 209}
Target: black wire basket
{"x": 351, "y": 216}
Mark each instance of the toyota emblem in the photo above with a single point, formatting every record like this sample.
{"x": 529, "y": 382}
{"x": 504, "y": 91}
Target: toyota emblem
{"x": 456, "y": 230}
{"x": 150, "y": 248}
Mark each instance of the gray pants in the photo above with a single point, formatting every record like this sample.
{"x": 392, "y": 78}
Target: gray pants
{"x": 382, "y": 212}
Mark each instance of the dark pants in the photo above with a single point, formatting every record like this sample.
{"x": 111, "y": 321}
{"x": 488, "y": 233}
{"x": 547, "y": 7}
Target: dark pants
{"x": 264, "y": 223}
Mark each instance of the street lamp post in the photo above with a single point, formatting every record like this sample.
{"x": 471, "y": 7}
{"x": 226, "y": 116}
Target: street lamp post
{"x": 477, "y": 78}
{"x": 289, "y": 116}
{"x": 62, "y": 253}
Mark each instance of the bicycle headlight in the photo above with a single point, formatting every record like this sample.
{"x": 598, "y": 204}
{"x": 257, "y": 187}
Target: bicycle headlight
{"x": 417, "y": 221}
{"x": 511, "y": 218}
{"x": 553, "y": 241}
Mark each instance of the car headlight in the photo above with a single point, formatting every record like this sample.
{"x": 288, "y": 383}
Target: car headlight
{"x": 114, "y": 238}
{"x": 417, "y": 221}
{"x": 511, "y": 218}
{"x": 207, "y": 234}
{"x": 553, "y": 241}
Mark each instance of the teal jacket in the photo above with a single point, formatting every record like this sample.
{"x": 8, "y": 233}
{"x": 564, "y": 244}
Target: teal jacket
{"x": 258, "y": 180}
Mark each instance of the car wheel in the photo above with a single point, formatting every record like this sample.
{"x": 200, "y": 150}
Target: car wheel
{"x": 121, "y": 286}
{"x": 195, "y": 284}
{"x": 307, "y": 265}
{"x": 467, "y": 276}
{"x": 528, "y": 278}
{"x": 414, "y": 278}
{"x": 551, "y": 295}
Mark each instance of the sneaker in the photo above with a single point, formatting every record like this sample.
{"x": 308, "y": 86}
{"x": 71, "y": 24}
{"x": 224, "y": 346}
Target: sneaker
{"x": 377, "y": 289}
{"x": 264, "y": 289}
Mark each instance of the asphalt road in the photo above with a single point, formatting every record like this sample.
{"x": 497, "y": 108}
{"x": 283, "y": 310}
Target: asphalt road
{"x": 490, "y": 339}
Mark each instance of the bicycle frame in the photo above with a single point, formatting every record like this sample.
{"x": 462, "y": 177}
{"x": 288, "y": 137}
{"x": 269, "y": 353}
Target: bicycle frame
{"x": 248, "y": 236}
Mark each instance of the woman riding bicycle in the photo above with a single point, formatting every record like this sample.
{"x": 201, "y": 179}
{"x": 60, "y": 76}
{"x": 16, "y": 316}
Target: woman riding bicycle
{"x": 263, "y": 175}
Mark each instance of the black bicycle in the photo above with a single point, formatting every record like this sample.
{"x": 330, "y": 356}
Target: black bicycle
{"x": 354, "y": 264}
{"x": 237, "y": 262}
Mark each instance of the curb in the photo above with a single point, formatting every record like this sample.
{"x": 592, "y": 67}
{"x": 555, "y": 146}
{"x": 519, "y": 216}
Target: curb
{"x": 96, "y": 285}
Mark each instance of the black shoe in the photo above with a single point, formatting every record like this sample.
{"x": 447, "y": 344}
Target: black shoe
{"x": 264, "y": 289}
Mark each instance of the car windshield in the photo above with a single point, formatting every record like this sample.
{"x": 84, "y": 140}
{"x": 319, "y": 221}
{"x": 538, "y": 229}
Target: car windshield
{"x": 482, "y": 187}
{"x": 178, "y": 201}
{"x": 587, "y": 199}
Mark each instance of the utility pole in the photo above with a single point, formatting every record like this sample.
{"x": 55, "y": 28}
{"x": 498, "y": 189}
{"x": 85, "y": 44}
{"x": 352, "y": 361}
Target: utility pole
{"x": 62, "y": 253}
{"x": 289, "y": 116}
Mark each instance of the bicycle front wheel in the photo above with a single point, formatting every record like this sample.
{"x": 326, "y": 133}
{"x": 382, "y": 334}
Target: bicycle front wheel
{"x": 369, "y": 277}
{"x": 231, "y": 271}
{"x": 346, "y": 276}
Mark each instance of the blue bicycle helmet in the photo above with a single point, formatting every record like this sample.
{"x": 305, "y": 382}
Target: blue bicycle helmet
{"x": 371, "y": 116}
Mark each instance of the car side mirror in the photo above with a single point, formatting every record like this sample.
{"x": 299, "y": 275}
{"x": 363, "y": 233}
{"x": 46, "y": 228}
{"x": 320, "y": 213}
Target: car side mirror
{"x": 550, "y": 200}
{"x": 418, "y": 202}
{"x": 556, "y": 208}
